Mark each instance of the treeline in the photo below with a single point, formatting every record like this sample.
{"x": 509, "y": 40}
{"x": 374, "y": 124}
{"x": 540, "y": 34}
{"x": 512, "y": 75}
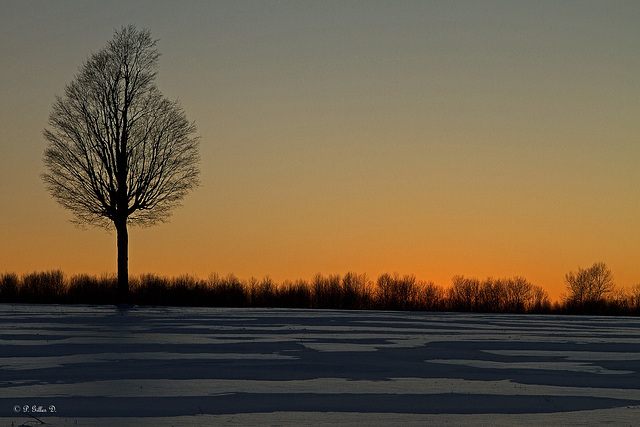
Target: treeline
{"x": 351, "y": 291}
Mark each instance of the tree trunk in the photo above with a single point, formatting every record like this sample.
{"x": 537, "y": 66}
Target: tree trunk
{"x": 123, "y": 261}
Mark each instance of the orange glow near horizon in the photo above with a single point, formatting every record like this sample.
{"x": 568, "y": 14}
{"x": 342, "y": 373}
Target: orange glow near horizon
{"x": 433, "y": 139}
{"x": 93, "y": 252}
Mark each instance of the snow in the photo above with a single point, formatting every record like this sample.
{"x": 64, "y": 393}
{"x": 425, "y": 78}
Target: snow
{"x": 101, "y": 366}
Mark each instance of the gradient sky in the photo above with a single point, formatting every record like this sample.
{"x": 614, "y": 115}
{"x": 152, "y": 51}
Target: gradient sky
{"x": 435, "y": 138}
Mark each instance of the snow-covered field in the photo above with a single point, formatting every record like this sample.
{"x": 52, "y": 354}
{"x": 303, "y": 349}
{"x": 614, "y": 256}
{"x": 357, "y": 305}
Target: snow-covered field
{"x": 100, "y": 366}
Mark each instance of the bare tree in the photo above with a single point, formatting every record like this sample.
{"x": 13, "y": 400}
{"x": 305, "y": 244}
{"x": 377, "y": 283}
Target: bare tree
{"x": 540, "y": 301}
{"x": 119, "y": 152}
{"x": 634, "y": 298}
{"x": 589, "y": 286}
{"x": 519, "y": 294}
{"x": 464, "y": 294}
{"x": 492, "y": 295}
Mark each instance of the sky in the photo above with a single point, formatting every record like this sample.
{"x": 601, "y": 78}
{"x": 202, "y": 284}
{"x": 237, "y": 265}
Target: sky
{"x": 433, "y": 138}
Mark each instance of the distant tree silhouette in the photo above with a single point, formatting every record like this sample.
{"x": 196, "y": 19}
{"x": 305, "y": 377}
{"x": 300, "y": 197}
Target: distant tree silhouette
{"x": 634, "y": 298}
{"x": 119, "y": 152}
{"x": 397, "y": 293}
{"x": 589, "y": 287}
{"x": 492, "y": 295}
{"x": 519, "y": 294}
{"x": 430, "y": 296}
{"x": 510, "y": 295}
{"x": 464, "y": 294}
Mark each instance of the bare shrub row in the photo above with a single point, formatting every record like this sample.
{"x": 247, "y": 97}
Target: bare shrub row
{"x": 351, "y": 291}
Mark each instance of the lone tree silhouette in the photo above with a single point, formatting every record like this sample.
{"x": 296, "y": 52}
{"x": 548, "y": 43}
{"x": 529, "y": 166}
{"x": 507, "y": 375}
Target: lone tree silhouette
{"x": 118, "y": 151}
